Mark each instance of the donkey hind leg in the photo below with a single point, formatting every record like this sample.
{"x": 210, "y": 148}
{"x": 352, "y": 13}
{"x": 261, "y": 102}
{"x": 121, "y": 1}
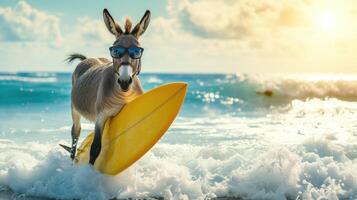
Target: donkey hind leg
{"x": 75, "y": 131}
{"x": 97, "y": 141}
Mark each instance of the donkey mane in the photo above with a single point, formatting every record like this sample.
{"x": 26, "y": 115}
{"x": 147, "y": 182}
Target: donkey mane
{"x": 128, "y": 25}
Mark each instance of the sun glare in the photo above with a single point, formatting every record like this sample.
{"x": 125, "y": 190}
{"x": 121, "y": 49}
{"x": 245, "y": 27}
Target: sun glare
{"x": 330, "y": 17}
{"x": 327, "y": 21}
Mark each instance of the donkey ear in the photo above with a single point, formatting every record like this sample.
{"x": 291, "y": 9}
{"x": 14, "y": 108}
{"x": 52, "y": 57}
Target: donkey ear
{"x": 112, "y": 26}
{"x": 140, "y": 28}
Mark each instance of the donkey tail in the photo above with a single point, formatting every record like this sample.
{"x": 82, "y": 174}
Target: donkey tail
{"x": 75, "y": 56}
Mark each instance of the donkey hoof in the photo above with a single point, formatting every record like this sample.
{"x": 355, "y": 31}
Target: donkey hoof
{"x": 73, "y": 153}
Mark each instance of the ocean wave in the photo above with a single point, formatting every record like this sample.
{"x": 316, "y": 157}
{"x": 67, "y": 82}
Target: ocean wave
{"x": 306, "y": 86}
{"x": 245, "y": 92}
{"x": 317, "y": 168}
{"x": 303, "y": 147}
{"x": 84, "y": 127}
{"x": 37, "y": 79}
{"x": 228, "y": 93}
{"x": 153, "y": 79}
{"x": 253, "y": 92}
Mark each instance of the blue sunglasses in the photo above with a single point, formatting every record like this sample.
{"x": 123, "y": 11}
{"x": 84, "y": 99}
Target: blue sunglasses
{"x": 119, "y": 51}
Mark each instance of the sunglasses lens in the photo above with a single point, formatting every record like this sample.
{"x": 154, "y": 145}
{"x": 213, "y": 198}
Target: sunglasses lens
{"x": 135, "y": 52}
{"x": 117, "y": 52}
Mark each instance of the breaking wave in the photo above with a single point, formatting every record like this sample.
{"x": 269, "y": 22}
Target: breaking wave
{"x": 317, "y": 168}
{"x": 308, "y": 86}
{"x": 231, "y": 139}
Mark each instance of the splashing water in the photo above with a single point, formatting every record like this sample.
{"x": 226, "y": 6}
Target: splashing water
{"x": 229, "y": 140}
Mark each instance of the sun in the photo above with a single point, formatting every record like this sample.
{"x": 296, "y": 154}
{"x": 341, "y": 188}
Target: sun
{"x": 330, "y": 17}
{"x": 327, "y": 20}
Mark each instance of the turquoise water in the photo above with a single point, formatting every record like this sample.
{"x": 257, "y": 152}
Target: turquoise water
{"x": 35, "y": 102}
{"x": 229, "y": 140}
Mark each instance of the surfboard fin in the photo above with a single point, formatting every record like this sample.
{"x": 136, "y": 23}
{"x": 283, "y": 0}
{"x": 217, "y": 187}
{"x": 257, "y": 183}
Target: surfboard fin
{"x": 67, "y": 148}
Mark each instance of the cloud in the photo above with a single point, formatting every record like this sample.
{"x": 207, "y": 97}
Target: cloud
{"x": 252, "y": 36}
{"x": 229, "y": 19}
{"x": 24, "y": 23}
{"x": 88, "y": 31}
{"x": 278, "y": 26}
{"x": 198, "y": 36}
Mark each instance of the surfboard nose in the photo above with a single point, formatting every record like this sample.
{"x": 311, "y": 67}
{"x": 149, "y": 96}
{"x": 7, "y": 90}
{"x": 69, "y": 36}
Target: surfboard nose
{"x": 177, "y": 86}
{"x": 184, "y": 86}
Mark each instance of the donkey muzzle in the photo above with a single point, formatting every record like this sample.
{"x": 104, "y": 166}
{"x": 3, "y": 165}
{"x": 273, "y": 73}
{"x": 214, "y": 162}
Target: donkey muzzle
{"x": 124, "y": 85}
{"x": 125, "y": 77}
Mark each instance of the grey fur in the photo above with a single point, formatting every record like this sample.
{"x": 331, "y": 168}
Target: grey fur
{"x": 141, "y": 27}
{"x": 96, "y": 94}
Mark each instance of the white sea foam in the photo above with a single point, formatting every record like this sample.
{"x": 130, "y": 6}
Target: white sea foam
{"x": 305, "y": 86}
{"x": 306, "y": 149}
{"x": 84, "y": 127}
{"x": 154, "y": 79}
{"x": 44, "y": 74}
{"x": 314, "y": 169}
{"x": 28, "y": 79}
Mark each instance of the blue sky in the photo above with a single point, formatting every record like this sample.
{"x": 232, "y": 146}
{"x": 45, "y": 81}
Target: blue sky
{"x": 200, "y": 36}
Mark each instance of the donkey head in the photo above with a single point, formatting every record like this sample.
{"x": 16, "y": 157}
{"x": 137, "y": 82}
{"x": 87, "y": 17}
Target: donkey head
{"x": 126, "y": 51}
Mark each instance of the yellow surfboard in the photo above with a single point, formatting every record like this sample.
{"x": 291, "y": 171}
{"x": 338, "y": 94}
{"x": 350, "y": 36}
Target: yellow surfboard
{"x": 137, "y": 128}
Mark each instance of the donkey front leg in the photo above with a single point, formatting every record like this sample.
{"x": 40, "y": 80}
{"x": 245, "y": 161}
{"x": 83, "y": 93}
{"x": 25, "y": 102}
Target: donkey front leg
{"x": 75, "y": 131}
{"x": 97, "y": 141}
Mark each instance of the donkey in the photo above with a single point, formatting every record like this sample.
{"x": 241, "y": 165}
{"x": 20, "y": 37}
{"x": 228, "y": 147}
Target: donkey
{"x": 100, "y": 87}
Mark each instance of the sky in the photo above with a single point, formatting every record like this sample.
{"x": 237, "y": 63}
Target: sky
{"x": 191, "y": 36}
